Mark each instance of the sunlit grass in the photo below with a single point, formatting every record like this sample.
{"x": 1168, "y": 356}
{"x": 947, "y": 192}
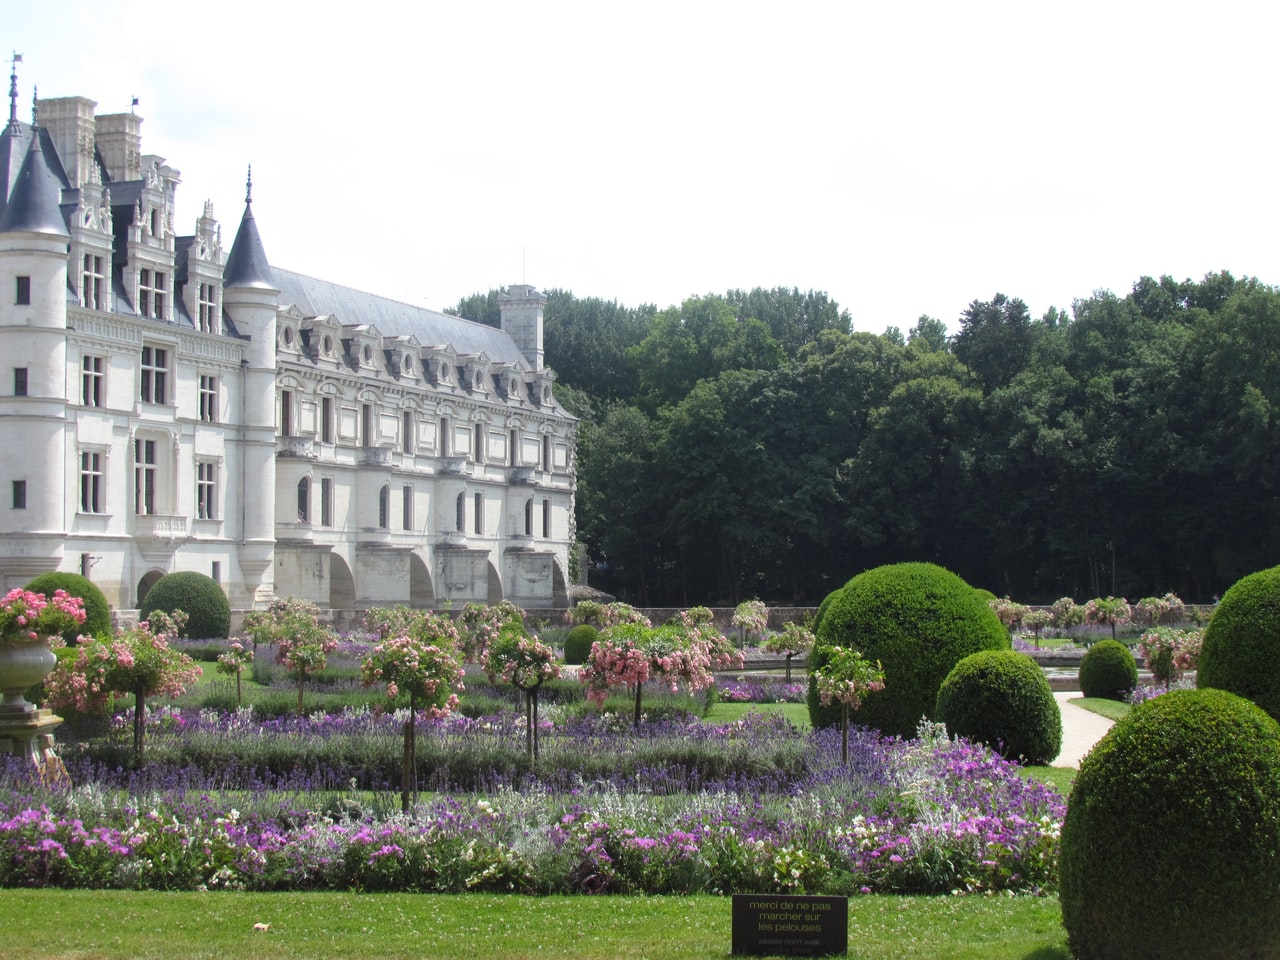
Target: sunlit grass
{"x": 1111, "y": 709}
{"x": 121, "y": 925}
{"x": 797, "y": 713}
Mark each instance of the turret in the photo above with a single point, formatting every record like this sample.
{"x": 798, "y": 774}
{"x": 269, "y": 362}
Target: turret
{"x": 521, "y": 308}
{"x": 250, "y": 298}
{"x": 33, "y": 295}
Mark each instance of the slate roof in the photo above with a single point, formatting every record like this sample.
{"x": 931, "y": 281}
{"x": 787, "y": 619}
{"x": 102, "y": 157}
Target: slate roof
{"x": 393, "y": 318}
{"x": 34, "y": 200}
{"x": 247, "y": 264}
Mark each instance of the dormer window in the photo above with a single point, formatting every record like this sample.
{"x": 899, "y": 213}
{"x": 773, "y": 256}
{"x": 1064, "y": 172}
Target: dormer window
{"x": 366, "y": 354}
{"x": 326, "y": 345}
{"x": 151, "y": 289}
{"x": 407, "y": 364}
{"x": 287, "y": 337}
{"x": 444, "y": 372}
{"x": 206, "y": 306}
{"x": 155, "y": 222}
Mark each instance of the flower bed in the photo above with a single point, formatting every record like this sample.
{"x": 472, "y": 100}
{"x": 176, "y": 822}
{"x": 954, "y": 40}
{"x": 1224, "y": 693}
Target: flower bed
{"x": 224, "y": 803}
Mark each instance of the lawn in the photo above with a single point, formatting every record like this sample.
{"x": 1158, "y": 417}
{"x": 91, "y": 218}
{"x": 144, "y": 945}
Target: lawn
{"x": 123, "y": 925}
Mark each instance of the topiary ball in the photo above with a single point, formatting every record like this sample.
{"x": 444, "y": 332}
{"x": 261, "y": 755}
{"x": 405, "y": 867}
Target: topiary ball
{"x": 1108, "y": 671}
{"x": 577, "y": 643}
{"x": 97, "y": 614}
{"x": 1241, "y": 648}
{"x": 1002, "y": 698}
{"x": 1169, "y": 846}
{"x": 919, "y": 620}
{"x": 196, "y": 595}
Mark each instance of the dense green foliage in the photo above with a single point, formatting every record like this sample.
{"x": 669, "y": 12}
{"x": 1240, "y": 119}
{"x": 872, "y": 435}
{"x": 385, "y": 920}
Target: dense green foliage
{"x": 1170, "y": 839}
{"x": 577, "y": 643}
{"x": 750, "y": 445}
{"x": 97, "y": 614}
{"x": 1108, "y": 671}
{"x": 918, "y": 620}
{"x": 1002, "y": 698}
{"x": 1241, "y": 650}
{"x": 198, "y": 596}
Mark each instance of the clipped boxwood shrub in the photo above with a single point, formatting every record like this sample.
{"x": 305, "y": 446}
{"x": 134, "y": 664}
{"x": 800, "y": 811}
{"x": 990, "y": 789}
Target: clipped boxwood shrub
{"x": 196, "y": 595}
{"x": 919, "y": 620}
{"x": 1002, "y": 698}
{"x": 1169, "y": 844}
{"x": 1241, "y": 650}
{"x": 1108, "y": 671}
{"x": 577, "y": 643}
{"x": 97, "y": 614}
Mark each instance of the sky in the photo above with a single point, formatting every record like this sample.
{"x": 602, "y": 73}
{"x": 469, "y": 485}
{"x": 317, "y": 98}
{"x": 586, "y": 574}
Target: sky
{"x": 905, "y": 158}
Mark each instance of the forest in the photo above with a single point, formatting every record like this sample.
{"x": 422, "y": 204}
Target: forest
{"x": 752, "y": 445}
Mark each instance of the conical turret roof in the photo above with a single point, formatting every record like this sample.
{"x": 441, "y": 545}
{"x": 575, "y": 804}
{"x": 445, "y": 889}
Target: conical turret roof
{"x": 33, "y": 205}
{"x": 247, "y": 264}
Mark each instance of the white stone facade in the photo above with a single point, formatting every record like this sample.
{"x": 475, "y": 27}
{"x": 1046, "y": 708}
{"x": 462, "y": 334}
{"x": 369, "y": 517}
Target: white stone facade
{"x": 171, "y": 405}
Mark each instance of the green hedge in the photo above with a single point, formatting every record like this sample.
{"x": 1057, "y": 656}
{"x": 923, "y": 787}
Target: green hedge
{"x": 1002, "y": 698}
{"x": 97, "y": 614}
{"x": 1169, "y": 846}
{"x": 919, "y": 620}
{"x": 196, "y": 595}
{"x": 1108, "y": 671}
{"x": 1241, "y": 650}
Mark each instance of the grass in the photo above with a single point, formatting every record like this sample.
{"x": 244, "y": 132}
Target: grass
{"x": 1111, "y": 709}
{"x": 722, "y": 712}
{"x": 129, "y": 925}
{"x": 1060, "y": 778}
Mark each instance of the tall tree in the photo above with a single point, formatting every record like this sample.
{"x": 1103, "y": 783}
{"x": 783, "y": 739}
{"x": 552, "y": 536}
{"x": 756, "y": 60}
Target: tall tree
{"x": 995, "y": 341}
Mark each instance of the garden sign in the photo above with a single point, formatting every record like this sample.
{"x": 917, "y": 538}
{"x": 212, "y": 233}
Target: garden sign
{"x": 790, "y": 925}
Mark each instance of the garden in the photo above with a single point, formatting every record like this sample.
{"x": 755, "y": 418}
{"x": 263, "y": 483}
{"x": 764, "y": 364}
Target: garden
{"x": 482, "y": 754}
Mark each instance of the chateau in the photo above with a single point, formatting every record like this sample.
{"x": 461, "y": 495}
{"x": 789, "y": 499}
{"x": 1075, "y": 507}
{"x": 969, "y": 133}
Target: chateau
{"x": 166, "y": 404}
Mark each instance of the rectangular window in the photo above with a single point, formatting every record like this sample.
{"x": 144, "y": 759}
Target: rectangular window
{"x": 286, "y": 413}
{"x": 144, "y": 477}
{"x": 326, "y": 419}
{"x": 206, "y": 490}
{"x": 90, "y": 482}
{"x": 22, "y": 291}
{"x": 406, "y": 509}
{"x": 513, "y": 450}
{"x": 366, "y": 425}
{"x": 151, "y": 293}
{"x": 546, "y": 454}
{"x": 304, "y": 500}
{"x": 19, "y": 381}
{"x": 208, "y": 398}
{"x": 91, "y": 381}
{"x": 19, "y": 494}
{"x": 546, "y": 519}
{"x": 91, "y": 280}
{"x": 207, "y": 307}
{"x": 479, "y": 502}
{"x": 478, "y": 446}
{"x": 445, "y": 443}
{"x": 326, "y": 502}
{"x": 384, "y": 507}
{"x": 155, "y": 373}
{"x": 216, "y": 573}
{"x": 406, "y": 431}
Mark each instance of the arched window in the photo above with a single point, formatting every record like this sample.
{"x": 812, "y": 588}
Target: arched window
{"x": 384, "y": 507}
{"x": 461, "y": 520}
{"x": 528, "y": 517}
{"x": 304, "y": 500}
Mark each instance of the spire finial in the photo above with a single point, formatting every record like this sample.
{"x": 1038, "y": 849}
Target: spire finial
{"x": 13, "y": 90}
{"x": 35, "y": 107}
{"x": 248, "y": 186}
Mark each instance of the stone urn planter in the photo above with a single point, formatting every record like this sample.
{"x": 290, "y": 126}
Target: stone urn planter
{"x": 22, "y": 665}
{"x": 29, "y": 623}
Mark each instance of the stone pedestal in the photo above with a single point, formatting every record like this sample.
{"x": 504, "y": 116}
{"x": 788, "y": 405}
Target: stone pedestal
{"x": 29, "y": 734}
